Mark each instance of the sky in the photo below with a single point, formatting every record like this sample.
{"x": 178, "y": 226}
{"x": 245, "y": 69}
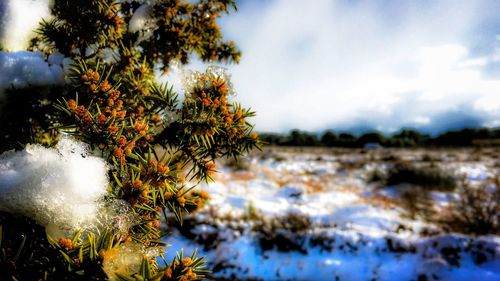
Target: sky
{"x": 367, "y": 65}
{"x": 350, "y": 65}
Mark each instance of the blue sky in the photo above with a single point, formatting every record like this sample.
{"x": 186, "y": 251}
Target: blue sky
{"x": 357, "y": 65}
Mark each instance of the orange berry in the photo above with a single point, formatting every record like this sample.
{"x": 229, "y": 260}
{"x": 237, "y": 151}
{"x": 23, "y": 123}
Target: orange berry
{"x": 156, "y": 223}
{"x": 211, "y": 165}
{"x": 102, "y": 119}
{"x": 187, "y": 262}
{"x": 137, "y": 184}
{"x": 117, "y": 21}
{"x": 204, "y": 195}
{"x": 168, "y": 273}
{"x": 218, "y": 83}
{"x": 162, "y": 169}
{"x": 72, "y": 104}
{"x": 216, "y": 102}
{"x": 223, "y": 89}
{"x": 198, "y": 202}
{"x": 191, "y": 275}
{"x": 119, "y": 104}
{"x": 182, "y": 201}
{"x": 96, "y": 76}
{"x": 93, "y": 88}
{"x": 118, "y": 152}
{"x": 105, "y": 86}
{"x": 66, "y": 243}
{"x": 113, "y": 129}
{"x": 122, "y": 141}
{"x": 168, "y": 195}
{"x": 138, "y": 127}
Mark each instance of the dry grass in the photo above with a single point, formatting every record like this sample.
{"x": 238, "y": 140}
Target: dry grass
{"x": 477, "y": 211}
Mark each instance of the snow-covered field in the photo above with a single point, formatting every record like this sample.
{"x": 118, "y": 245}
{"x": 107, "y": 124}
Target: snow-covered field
{"x": 312, "y": 214}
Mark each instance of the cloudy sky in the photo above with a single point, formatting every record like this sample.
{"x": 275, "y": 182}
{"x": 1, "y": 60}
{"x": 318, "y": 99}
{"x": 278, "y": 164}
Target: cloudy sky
{"x": 357, "y": 65}
{"x": 352, "y": 64}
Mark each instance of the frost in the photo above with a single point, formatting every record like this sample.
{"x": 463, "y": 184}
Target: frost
{"x": 58, "y": 187}
{"x": 123, "y": 259}
{"x": 18, "y": 19}
{"x": 127, "y": 258}
{"x": 194, "y": 79}
{"x": 116, "y": 215}
{"x": 170, "y": 117}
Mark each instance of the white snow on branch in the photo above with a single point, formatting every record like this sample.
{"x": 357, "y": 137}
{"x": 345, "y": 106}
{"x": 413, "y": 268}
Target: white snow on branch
{"x": 140, "y": 19}
{"x": 24, "y": 69}
{"x": 58, "y": 187}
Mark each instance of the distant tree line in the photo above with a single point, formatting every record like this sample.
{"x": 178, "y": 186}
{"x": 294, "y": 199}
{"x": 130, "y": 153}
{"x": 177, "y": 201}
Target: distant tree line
{"x": 403, "y": 138}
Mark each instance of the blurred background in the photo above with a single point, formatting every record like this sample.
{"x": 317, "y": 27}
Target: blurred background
{"x": 381, "y": 122}
{"x": 367, "y": 65}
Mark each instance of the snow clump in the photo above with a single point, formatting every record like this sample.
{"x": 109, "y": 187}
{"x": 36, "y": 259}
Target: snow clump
{"x": 57, "y": 187}
{"x": 30, "y": 69}
{"x": 140, "y": 19}
{"x": 24, "y": 69}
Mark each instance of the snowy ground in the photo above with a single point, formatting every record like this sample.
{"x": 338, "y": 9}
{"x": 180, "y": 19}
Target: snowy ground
{"x": 312, "y": 215}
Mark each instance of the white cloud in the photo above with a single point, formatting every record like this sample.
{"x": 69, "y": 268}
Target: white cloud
{"x": 344, "y": 64}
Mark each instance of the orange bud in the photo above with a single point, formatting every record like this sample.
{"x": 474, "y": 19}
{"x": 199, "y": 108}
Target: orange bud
{"x": 168, "y": 273}
{"x": 187, "y": 262}
{"x": 118, "y": 152}
{"x": 101, "y": 119}
{"x": 66, "y": 243}
{"x": 182, "y": 201}
{"x": 204, "y": 195}
{"x": 72, "y": 104}
{"x": 137, "y": 184}
{"x": 122, "y": 141}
